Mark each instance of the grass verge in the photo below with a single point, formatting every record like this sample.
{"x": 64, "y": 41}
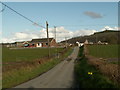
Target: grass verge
{"x": 88, "y": 76}
{"x": 15, "y": 77}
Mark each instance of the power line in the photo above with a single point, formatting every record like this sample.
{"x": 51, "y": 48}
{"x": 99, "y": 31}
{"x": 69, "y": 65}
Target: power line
{"x": 3, "y": 9}
{"x": 21, "y": 15}
{"x": 85, "y": 25}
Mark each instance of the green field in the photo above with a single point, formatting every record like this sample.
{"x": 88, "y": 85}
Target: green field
{"x": 104, "y": 51}
{"x": 13, "y": 55}
{"x": 16, "y": 76}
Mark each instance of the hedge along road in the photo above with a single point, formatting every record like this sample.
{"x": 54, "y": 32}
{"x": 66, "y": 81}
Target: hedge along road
{"x": 61, "y": 76}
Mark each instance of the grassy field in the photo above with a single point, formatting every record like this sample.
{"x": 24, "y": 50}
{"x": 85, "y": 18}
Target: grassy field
{"x": 16, "y": 76}
{"x": 14, "y": 55}
{"x": 88, "y": 76}
{"x": 104, "y": 51}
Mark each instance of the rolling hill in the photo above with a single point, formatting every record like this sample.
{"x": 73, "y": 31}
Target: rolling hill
{"x": 109, "y": 36}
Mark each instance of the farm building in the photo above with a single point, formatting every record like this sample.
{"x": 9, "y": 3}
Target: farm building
{"x": 43, "y": 42}
{"x": 105, "y": 43}
{"x": 26, "y": 43}
{"x": 33, "y": 43}
{"x": 22, "y": 44}
{"x": 86, "y": 42}
{"x": 12, "y": 45}
{"x": 19, "y": 44}
{"x": 5, "y": 44}
{"x": 80, "y": 44}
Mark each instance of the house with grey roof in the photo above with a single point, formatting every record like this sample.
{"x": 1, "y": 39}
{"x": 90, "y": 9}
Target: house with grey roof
{"x": 42, "y": 42}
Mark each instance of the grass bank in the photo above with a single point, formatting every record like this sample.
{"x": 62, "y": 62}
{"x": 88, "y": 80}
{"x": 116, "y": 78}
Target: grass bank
{"x": 88, "y": 76}
{"x": 15, "y": 77}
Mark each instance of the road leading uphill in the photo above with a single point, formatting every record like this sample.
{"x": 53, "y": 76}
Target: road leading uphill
{"x": 61, "y": 76}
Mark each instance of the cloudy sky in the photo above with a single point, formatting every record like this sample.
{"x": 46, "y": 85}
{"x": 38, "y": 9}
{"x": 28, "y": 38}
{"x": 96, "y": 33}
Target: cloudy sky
{"x": 70, "y": 18}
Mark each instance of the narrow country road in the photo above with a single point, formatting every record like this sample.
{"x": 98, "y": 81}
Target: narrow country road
{"x": 61, "y": 76}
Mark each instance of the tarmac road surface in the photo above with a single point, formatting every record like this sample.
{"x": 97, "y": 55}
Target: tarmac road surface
{"x": 61, "y": 76}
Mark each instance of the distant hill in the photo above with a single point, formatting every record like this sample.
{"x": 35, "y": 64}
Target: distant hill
{"x": 109, "y": 36}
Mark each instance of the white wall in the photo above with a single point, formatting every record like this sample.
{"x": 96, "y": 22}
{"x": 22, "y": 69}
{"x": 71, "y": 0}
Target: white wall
{"x": 40, "y": 45}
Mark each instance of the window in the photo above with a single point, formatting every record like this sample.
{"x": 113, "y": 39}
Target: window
{"x": 46, "y": 43}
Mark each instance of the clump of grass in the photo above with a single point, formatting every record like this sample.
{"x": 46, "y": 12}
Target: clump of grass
{"x": 94, "y": 80}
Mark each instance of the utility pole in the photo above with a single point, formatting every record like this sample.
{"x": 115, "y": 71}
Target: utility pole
{"x": 56, "y": 42}
{"x": 96, "y": 39}
{"x": 65, "y": 42}
{"x": 55, "y": 32}
{"x": 48, "y": 39}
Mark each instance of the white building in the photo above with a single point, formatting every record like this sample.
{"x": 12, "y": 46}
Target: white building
{"x": 80, "y": 44}
{"x": 86, "y": 42}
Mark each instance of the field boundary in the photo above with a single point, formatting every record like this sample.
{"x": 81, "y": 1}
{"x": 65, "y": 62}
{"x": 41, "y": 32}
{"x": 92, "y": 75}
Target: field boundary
{"x": 33, "y": 47}
{"x": 106, "y": 68}
{"x": 88, "y": 76}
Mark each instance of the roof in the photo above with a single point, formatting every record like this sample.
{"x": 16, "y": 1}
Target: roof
{"x": 19, "y": 42}
{"x": 22, "y": 42}
{"x": 41, "y": 40}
